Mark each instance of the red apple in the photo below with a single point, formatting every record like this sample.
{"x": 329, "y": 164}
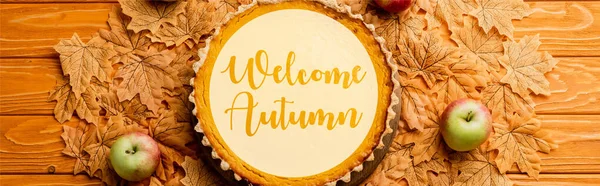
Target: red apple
{"x": 134, "y": 156}
{"x": 393, "y": 6}
{"x": 466, "y": 124}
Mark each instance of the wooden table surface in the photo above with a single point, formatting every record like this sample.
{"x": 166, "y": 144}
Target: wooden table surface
{"x": 30, "y": 143}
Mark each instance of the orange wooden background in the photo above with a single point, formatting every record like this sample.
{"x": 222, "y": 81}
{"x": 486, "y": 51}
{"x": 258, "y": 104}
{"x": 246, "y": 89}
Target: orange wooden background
{"x": 30, "y": 143}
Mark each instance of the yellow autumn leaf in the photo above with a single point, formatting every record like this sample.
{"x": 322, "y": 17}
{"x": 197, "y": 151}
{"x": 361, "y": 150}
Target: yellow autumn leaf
{"x": 525, "y": 66}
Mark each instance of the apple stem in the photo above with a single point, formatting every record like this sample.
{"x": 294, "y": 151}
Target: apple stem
{"x": 129, "y": 152}
{"x": 469, "y": 116}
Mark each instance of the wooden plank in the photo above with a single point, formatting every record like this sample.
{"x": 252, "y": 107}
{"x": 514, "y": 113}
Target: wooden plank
{"x": 32, "y": 144}
{"x": 35, "y": 180}
{"x": 577, "y": 137}
{"x": 557, "y": 179}
{"x": 30, "y": 30}
{"x": 25, "y": 84}
{"x": 565, "y": 28}
{"x": 574, "y": 86}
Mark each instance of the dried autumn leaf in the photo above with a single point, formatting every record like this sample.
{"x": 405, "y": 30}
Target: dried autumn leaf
{"x": 76, "y": 139}
{"x": 178, "y": 101}
{"x": 172, "y": 137}
{"x": 183, "y": 64}
{"x": 166, "y": 130}
{"x": 197, "y": 173}
{"x": 449, "y": 12}
{"x": 518, "y": 142}
{"x": 472, "y": 40}
{"x": 428, "y": 58}
{"x": 499, "y": 14}
{"x": 132, "y": 109}
{"x": 414, "y": 98}
{"x": 86, "y": 107}
{"x": 196, "y": 22}
{"x": 166, "y": 167}
{"x": 65, "y": 100}
{"x": 125, "y": 41}
{"x": 223, "y": 7}
{"x": 463, "y": 82}
{"x": 428, "y": 142}
{"x": 391, "y": 169}
{"x": 416, "y": 174}
{"x": 155, "y": 181}
{"x": 503, "y": 102}
{"x": 150, "y": 15}
{"x": 146, "y": 77}
{"x": 82, "y": 61}
{"x": 394, "y": 28}
{"x": 477, "y": 168}
{"x": 525, "y": 67}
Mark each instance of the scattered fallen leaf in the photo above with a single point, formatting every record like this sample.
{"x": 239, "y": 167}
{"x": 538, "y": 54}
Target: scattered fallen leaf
{"x": 197, "y": 173}
{"x": 525, "y": 67}
{"x": 196, "y": 22}
{"x": 465, "y": 78}
{"x": 392, "y": 168}
{"x": 499, "y": 14}
{"x": 428, "y": 58}
{"x": 414, "y": 98}
{"x": 146, "y": 77}
{"x": 82, "y": 61}
{"x": 503, "y": 103}
{"x": 178, "y": 101}
{"x": 155, "y": 181}
{"x": 76, "y": 139}
{"x": 172, "y": 137}
{"x": 449, "y": 12}
{"x": 86, "y": 107}
{"x": 150, "y": 15}
{"x": 183, "y": 64}
{"x": 65, "y": 100}
{"x": 394, "y": 28}
{"x": 125, "y": 41}
{"x": 416, "y": 174}
{"x": 166, "y": 130}
{"x": 519, "y": 142}
{"x": 477, "y": 168}
{"x": 428, "y": 142}
{"x": 472, "y": 40}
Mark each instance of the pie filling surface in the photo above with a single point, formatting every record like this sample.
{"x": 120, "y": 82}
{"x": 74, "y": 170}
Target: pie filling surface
{"x": 293, "y": 93}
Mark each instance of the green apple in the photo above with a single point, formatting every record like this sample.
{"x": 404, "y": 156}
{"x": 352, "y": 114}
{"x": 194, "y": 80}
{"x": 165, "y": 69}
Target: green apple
{"x": 134, "y": 156}
{"x": 466, "y": 124}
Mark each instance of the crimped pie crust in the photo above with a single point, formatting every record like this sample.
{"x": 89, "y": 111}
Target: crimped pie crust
{"x": 382, "y": 63}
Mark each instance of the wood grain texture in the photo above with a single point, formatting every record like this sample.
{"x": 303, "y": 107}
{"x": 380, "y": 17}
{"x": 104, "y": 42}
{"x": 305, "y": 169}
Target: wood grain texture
{"x": 31, "y": 144}
{"x": 557, "y": 179}
{"x": 48, "y": 180}
{"x": 565, "y": 28}
{"x": 574, "y": 85}
{"x": 25, "y": 84}
{"x": 30, "y": 30}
